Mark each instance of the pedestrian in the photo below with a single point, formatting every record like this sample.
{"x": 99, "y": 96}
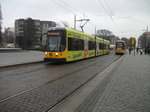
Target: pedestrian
{"x": 137, "y": 50}
{"x": 148, "y": 50}
{"x": 141, "y": 51}
{"x": 130, "y": 50}
{"x": 145, "y": 50}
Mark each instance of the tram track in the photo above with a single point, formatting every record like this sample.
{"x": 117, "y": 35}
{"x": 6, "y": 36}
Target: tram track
{"x": 104, "y": 82}
{"x": 43, "y": 65}
{"x": 50, "y": 81}
{"x": 59, "y": 78}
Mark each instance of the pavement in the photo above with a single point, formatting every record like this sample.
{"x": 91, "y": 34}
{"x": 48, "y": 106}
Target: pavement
{"x": 123, "y": 87}
{"x": 43, "y": 86}
{"x": 13, "y": 58}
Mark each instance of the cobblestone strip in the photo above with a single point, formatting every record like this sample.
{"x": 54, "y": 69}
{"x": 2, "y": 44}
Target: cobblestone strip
{"x": 43, "y": 98}
{"x": 89, "y": 104}
{"x": 128, "y": 91}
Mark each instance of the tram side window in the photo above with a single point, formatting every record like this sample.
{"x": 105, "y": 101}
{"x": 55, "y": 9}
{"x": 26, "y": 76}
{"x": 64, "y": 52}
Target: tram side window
{"x": 75, "y": 44}
{"x": 91, "y": 45}
{"x": 70, "y": 46}
{"x": 100, "y": 46}
{"x": 81, "y": 44}
{"x": 104, "y": 46}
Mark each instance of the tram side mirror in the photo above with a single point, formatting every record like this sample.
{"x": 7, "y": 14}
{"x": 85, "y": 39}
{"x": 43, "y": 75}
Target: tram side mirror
{"x": 43, "y": 41}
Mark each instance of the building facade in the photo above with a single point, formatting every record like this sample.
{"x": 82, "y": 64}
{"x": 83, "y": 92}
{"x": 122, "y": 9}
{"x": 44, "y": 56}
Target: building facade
{"x": 28, "y": 31}
{"x": 144, "y": 40}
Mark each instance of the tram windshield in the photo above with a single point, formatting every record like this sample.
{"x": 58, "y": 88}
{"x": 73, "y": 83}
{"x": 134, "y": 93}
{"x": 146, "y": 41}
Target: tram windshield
{"x": 55, "y": 42}
{"x": 120, "y": 46}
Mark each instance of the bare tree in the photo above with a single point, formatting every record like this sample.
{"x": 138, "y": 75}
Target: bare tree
{"x": 9, "y": 35}
{"x": 104, "y": 33}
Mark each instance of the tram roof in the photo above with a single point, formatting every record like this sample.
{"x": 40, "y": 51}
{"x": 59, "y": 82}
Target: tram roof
{"x": 75, "y": 31}
{"x": 120, "y": 41}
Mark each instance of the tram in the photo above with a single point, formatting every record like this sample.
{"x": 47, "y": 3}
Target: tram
{"x": 120, "y": 47}
{"x": 65, "y": 45}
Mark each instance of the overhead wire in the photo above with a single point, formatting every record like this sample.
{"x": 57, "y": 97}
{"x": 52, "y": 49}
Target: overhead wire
{"x": 111, "y": 14}
{"x": 140, "y": 9}
{"x": 27, "y": 5}
{"x": 75, "y": 11}
{"x": 84, "y": 15}
{"x": 65, "y": 6}
{"x": 37, "y": 8}
{"x": 69, "y": 6}
{"x": 62, "y": 6}
{"x": 104, "y": 7}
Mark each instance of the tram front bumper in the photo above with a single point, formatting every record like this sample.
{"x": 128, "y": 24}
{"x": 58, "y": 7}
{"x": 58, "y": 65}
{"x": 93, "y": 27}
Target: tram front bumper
{"x": 55, "y": 59}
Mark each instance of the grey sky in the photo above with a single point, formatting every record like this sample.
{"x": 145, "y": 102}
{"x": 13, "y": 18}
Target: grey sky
{"x": 125, "y": 18}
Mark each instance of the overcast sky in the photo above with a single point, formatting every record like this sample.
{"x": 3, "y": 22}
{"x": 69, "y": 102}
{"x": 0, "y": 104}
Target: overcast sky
{"x": 125, "y": 18}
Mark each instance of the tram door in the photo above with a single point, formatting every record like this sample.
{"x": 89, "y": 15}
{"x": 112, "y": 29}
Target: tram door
{"x": 85, "y": 47}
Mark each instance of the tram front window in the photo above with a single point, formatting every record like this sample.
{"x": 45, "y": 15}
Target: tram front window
{"x": 55, "y": 43}
{"x": 119, "y": 47}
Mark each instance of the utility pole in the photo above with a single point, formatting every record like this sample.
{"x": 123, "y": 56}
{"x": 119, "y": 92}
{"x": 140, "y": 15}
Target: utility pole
{"x": 95, "y": 42}
{"x": 75, "y": 21}
{"x": 0, "y": 25}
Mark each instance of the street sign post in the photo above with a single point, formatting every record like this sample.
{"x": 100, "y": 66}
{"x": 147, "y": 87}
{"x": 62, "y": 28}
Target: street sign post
{"x": 133, "y": 43}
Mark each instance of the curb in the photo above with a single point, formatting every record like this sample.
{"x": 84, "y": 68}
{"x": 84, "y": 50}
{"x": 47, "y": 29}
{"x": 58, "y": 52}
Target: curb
{"x": 21, "y": 64}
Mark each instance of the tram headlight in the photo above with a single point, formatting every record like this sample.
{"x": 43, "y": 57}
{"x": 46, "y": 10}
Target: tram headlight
{"x": 46, "y": 53}
{"x": 56, "y": 54}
